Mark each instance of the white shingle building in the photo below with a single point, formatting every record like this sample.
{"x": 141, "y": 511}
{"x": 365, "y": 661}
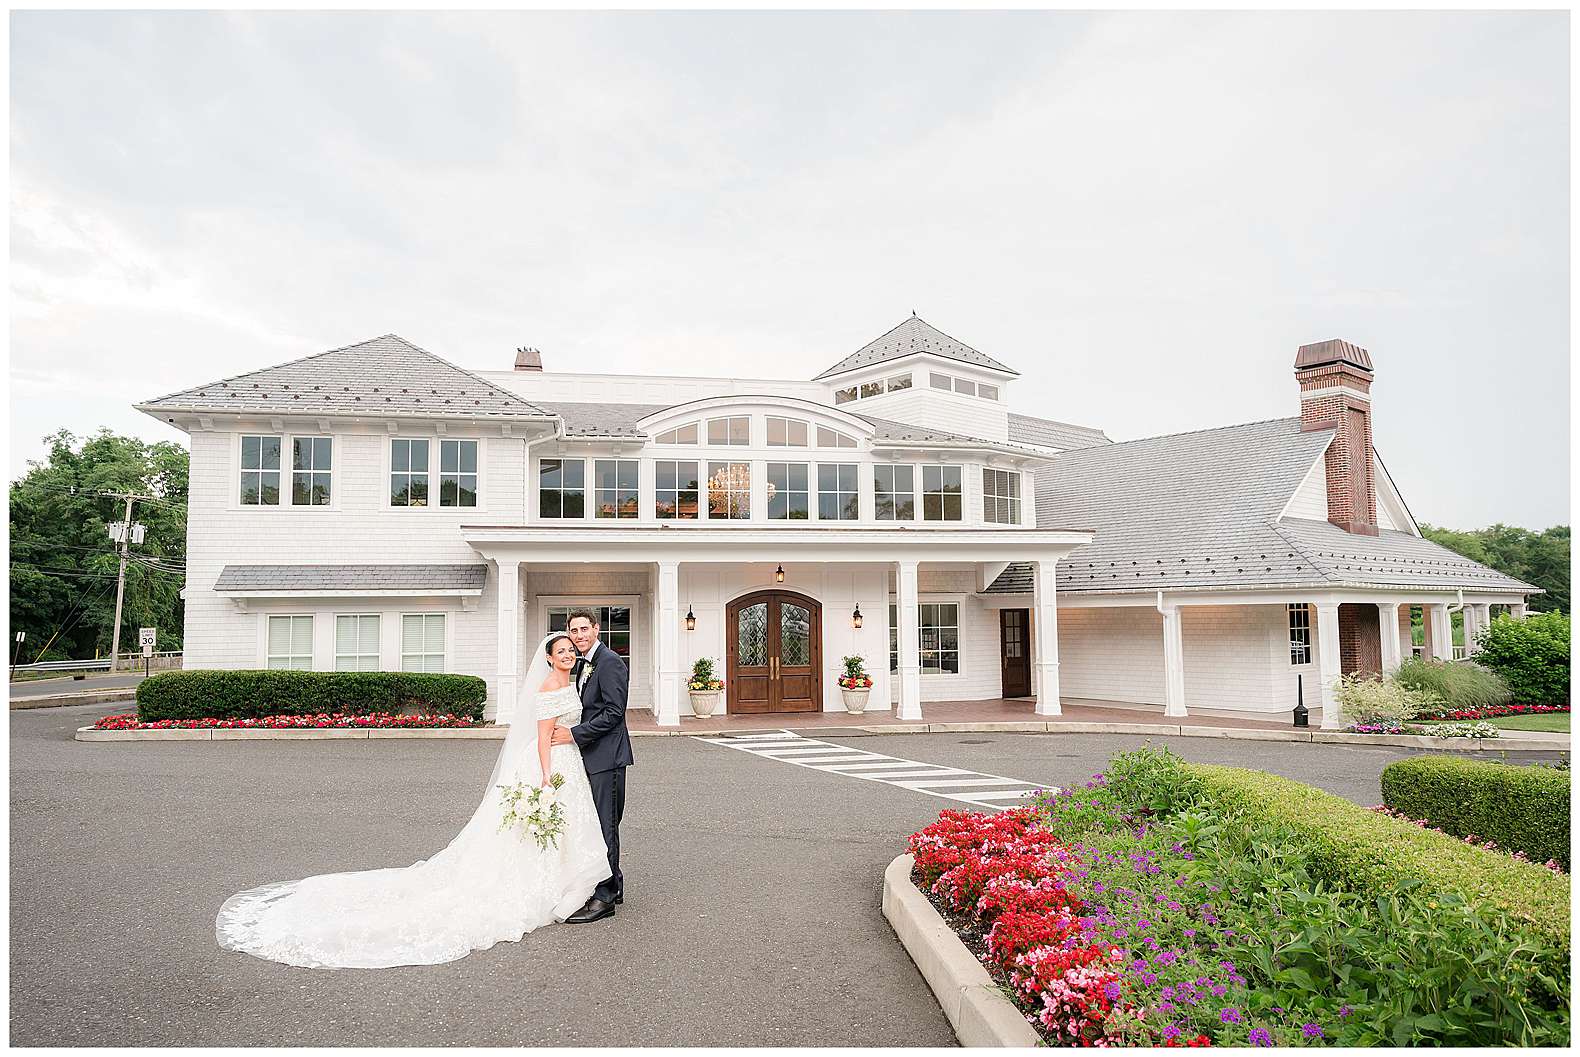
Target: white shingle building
{"x": 376, "y": 507}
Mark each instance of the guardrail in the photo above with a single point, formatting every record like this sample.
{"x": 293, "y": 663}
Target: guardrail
{"x": 129, "y": 662}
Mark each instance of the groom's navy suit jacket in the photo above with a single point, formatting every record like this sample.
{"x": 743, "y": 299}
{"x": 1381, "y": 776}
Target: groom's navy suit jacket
{"x": 602, "y": 735}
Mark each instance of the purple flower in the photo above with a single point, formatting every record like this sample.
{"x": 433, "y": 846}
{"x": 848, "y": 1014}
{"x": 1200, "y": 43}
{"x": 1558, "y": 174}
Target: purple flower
{"x": 1311, "y": 1031}
{"x": 1112, "y": 990}
{"x": 1171, "y": 1032}
{"x": 1345, "y": 1011}
{"x": 1260, "y": 1037}
{"x": 1189, "y": 933}
{"x": 1230, "y": 1016}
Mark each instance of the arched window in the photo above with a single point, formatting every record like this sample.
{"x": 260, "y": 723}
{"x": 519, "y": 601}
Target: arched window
{"x": 686, "y": 434}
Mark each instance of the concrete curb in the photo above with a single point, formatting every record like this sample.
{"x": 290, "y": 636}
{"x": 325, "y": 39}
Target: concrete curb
{"x": 980, "y": 1015}
{"x": 81, "y": 697}
{"x": 1396, "y": 741}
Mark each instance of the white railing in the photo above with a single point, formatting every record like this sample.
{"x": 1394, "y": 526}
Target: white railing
{"x": 1461, "y": 652}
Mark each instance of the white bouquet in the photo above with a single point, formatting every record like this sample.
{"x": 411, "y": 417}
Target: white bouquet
{"x": 535, "y": 810}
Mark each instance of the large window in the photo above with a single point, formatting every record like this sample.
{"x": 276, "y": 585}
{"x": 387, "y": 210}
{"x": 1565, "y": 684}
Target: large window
{"x": 675, "y": 489}
{"x": 291, "y": 642}
{"x": 310, "y": 459}
{"x": 938, "y": 627}
{"x": 422, "y": 642}
{"x": 458, "y": 473}
{"x": 837, "y": 496}
{"x": 964, "y": 386}
{"x": 562, "y": 488}
{"x": 260, "y": 471}
{"x": 686, "y": 434}
{"x": 895, "y": 492}
{"x": 736, "y": 430}
{"x": 729, "y": 490}
{"x": 408, "y": 472}
{"x": 616, "y": 494}
{"x": 1300, "y": 633}
{"x": 614, "y": 626}
{"x": 357, "y": 643}
{"x": 940, "y": 493}
{"x": 1001, "y": 497}
{"x": 787, "y": 491}
{"x": 786, "y": 432}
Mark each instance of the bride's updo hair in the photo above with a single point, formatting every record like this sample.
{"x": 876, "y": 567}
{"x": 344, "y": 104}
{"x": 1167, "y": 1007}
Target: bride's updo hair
{"x": 554, "y": 640}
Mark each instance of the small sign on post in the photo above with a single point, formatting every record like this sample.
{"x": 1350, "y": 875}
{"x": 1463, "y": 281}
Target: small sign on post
{"x": 146, "y": 638}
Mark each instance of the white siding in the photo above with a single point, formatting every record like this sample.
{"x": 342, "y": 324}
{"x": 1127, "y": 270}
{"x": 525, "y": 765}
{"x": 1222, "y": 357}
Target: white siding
{"x": 1310, "y": 500}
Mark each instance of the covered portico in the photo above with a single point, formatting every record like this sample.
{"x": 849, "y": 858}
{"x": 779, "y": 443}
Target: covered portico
{"x": 753, "y": 555}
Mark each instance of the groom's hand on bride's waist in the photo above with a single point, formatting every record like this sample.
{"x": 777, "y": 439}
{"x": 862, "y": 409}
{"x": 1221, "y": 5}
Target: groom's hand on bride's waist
{"x": 561, "y": 736}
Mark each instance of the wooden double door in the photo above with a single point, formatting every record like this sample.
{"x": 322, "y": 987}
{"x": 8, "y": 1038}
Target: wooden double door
{"x": 774, "y": 648}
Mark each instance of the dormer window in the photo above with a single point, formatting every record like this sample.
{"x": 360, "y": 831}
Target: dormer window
{"x": 948, "y": 383}
{"x": 987, "y": 392}
{"x": 786, "y": 432}
{"x": 871, "y": 389}
{"x": 845, "y": 396}
{"x": 965, "y": 386}
{"x": 833, "y": 438}
{"x": 735, "y": 430}
{"x": 898, "y": 382}
{"x": 686, "y": 434}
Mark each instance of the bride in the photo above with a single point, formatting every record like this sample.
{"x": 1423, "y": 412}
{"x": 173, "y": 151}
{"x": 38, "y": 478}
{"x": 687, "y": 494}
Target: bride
{"x": 488, "y": 885}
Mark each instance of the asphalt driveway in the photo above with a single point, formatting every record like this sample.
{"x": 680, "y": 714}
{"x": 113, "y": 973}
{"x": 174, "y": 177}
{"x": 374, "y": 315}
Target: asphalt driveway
{"x": 751, "y": 917}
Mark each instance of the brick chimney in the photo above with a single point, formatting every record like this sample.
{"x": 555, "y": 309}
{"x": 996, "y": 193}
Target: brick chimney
{"x": 1335, "y": 393}
{"x": 528, "y": 359}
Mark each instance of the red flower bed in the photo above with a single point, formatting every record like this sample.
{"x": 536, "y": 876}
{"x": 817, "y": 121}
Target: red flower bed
{"x": 1006, "y": 875}
{"x": 1492, "y": 711}
{"x": 321, "y": 721}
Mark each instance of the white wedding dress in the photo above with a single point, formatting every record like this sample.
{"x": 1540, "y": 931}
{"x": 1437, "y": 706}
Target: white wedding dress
{"x": 486, "y": 886}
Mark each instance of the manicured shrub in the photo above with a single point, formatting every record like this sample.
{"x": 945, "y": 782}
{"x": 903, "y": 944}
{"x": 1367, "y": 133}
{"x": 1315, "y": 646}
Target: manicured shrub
{"x": 1456, "y": 686}
{"x": 1532, "y": 656}
{"x": 1357, "y": 850}
{"x": 1520, "y": 808}
{"x": 216, "y": 694}
{"x": 1371, "y": 700}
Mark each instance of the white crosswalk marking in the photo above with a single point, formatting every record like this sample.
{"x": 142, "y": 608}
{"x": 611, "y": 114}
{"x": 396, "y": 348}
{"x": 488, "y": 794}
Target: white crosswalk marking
{"x": 932, "y": 779}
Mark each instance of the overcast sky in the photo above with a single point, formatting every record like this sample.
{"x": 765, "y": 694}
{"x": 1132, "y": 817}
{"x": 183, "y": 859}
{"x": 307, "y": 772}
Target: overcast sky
{"x": 1144, "y": 214}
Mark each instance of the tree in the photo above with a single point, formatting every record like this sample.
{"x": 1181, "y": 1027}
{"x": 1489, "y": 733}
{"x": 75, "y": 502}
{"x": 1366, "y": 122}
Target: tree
{"x": 1540, "y": 558}
{"x": 63, "y": 562}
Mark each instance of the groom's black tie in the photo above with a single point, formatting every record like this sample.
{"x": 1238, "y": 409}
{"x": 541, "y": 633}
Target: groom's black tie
{"x": 576, "y": 672}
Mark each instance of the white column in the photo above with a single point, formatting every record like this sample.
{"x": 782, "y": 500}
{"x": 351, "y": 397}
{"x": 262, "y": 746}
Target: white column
{"x": 1442, "y": 644}
{"x": 508, "y": 648}
{"x": 667, "y": 616}
{"x": 1517, "y": 610}
{"x": 909, "y": 642}
{"x": 1045, "y": 626}
{"x": 1477, "y": 617}
{"x": 1388, "y": 625}
{"x": 1173, "y": 663}
{"x": 1328, "y": 668}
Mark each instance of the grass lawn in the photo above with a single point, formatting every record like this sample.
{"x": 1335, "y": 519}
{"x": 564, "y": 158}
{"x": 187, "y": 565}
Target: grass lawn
{"x": 1554, "y": 721}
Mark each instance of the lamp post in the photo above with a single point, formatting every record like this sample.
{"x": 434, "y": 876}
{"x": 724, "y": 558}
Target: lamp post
{"x": 1302, "y": 715}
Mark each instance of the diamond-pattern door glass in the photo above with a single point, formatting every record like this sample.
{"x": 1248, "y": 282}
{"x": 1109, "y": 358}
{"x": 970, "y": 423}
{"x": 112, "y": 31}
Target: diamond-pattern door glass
{"x": 751, "y": 638}
{"x": 795, "y": 635}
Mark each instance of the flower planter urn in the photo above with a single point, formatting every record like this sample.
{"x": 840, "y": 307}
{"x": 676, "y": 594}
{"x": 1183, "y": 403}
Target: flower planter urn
{"x": 704, "y": 702}
{"x": 855, "y": 700}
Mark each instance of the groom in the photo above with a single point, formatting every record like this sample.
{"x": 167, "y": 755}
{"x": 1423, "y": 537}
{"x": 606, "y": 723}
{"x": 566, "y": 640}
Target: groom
{"x": 602, "y": 680}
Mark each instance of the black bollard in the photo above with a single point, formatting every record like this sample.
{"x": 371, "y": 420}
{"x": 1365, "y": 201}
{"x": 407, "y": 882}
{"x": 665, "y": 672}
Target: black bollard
{"x": 1302, "y": 715}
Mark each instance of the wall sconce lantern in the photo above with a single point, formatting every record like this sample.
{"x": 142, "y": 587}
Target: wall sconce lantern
{"x": 779, "y": 575}
{"x": 855, "y": 618}
{"x": 691, "y": 618}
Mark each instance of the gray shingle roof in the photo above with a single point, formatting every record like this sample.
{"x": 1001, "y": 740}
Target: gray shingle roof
{"x": 1049, "y": 433}
{"x": 305, "y": 578}
{"x": 1200, "y": 510}
{"x": 911, "y": 336}
{"x": 384, "y": 376}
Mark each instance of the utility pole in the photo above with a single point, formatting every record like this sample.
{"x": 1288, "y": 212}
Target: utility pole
{"x": 123, "y": 532}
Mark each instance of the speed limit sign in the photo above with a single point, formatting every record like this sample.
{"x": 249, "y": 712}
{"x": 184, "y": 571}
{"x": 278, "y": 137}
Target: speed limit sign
{"x": 145, "y": 639}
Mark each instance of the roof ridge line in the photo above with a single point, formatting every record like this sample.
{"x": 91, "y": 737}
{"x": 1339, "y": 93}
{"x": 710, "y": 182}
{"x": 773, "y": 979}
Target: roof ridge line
{"x": 272, "y": 367}
{"x": 469, "y": 373}
{"x": 1193, "y": 432}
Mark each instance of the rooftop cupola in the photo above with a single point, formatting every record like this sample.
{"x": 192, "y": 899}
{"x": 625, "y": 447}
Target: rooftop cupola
{"x": 1335, "y": 380}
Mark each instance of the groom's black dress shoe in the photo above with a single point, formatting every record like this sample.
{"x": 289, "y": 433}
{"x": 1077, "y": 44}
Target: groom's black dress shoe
{"x": 592, "y": 910}
{"x": 619, "y": 899}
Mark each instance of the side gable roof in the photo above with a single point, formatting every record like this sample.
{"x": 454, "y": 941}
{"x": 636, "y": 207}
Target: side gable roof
{"x": 1026, "y": 429}
{"x": 911, "y": 336}
{"x": 1201, "y": 510}
{"x": 383, "y": 376}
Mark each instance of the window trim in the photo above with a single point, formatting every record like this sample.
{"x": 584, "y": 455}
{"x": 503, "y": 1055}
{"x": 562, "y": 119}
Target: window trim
{"x": 595, "y": 601}
{"x": 378, "y": 642}
{"x": 434, "y": 474}
{"x": 838, "y": 435}
{"x": 282, "y": 489}
{"x": 942, "y": 494}
{"x": 1301, "y": 640}
{"x": 705, "y": 438}
{"x": 311, "y": 473}
{"x": 400, "y": 645}
{"x": 438, "y": 473}
{"x": 878, "y": 492}
{"x": 287, "y": 441}
{"x": 789, "y": 424}
{"x": 935, "y": 599}
{"x": 598, "y": 491}
{"x": 696, "y": 424}
{"x": 312, "y": 641}
{"x": 707, "y": 489}
{"x": 806, "y": 492}
{"x": 1013, "y": 477}
{"x": 818, "y": 491}
{"x": 659, "y": 490}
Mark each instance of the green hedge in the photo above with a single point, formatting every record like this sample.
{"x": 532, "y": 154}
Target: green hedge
{"x": 1357, "y": 850}
{"x": 1521, "y": 808}
{"x": 1532, "y": 656}
{"x": 204, "y": 694}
